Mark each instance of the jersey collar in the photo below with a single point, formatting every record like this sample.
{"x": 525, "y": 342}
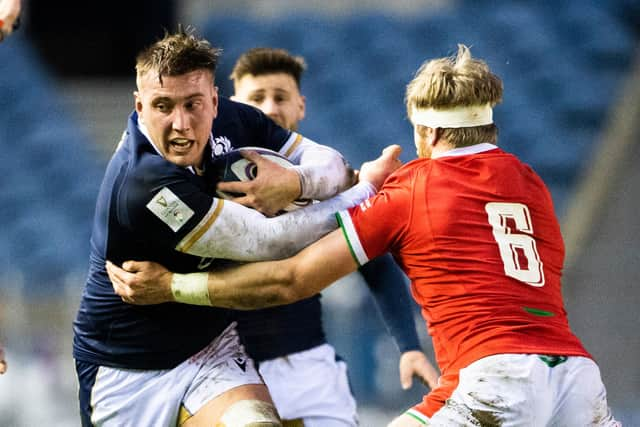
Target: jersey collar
{"x": 463, "y": 151}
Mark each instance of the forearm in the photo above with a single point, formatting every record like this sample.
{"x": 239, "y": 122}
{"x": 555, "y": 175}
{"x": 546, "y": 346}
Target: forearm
{"x": 264, "y": 284}
{"x": 251, "y": 286}
{"x": 243, "y": 234}
{"x": 323, "y": 171}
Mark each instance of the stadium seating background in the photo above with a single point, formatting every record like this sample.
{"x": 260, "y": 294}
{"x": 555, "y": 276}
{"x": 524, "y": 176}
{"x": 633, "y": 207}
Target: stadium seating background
{"x": 562, "y": 64}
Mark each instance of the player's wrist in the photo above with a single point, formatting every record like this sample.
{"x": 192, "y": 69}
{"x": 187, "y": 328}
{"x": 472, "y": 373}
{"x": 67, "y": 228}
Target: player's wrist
{"x": 367, "y": 187}
{"x": 192, "y": 288}
{"x": 302, "y": 180}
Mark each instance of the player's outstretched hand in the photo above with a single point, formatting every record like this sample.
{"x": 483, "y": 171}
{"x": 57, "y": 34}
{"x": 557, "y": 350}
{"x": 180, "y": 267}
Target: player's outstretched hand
{"x": 273, "y": 188}
{"x": 3, "y": 363}
{"x": 415, "y": 363}
{"x": 141, "y": 282}
{"x": 9, "y": 17}
{"x": 377, "y": 171}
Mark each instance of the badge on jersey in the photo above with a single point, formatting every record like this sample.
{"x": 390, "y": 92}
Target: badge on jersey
{"x": 170, "y": 209}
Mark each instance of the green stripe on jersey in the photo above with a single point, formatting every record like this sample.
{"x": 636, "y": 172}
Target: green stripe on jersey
{"x": 552, "y": 361}
{"x": 538, "y": 312}
{"x": 346, "y": 237}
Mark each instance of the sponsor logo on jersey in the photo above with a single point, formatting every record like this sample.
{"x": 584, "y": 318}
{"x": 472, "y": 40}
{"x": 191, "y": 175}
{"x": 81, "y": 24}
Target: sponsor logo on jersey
{"x": 170, "y": 209}
{"x": 365, "y": 205}
{"x": 241, "y": 362}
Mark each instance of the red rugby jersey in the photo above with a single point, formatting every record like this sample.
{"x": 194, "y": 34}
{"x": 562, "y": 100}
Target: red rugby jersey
{"x": 476, "y": 232}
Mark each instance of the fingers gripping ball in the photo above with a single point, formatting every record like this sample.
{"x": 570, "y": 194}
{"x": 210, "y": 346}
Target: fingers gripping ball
{"x": 232, "y": 166}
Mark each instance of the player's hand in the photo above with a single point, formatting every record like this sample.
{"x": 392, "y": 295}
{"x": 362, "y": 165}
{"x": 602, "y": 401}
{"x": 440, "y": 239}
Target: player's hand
{"x": 377, "y": 171}
{"x": 415, "y": 363}
{"x": 141, "y": 282}
{"x": 273, "y": 189}
{"x": 9, "y": 17}
{"x": 3, "y": 363}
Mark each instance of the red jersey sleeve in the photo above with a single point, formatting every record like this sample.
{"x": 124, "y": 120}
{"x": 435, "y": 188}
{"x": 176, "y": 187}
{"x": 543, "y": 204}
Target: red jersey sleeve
{"x": 377, "y": 225}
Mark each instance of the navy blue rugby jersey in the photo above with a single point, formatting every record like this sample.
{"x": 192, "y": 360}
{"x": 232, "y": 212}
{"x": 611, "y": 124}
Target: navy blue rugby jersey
{"x": 110, "y": 332}
{"x": 278, "y": 331}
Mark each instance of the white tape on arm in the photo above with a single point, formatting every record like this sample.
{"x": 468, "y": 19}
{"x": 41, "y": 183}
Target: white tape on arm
{"x": 192, "y": 288}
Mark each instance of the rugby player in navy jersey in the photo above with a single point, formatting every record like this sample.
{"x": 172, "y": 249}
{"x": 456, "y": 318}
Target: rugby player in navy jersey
{"x": 308, "y": 384}
{"x": 182, "y": 364}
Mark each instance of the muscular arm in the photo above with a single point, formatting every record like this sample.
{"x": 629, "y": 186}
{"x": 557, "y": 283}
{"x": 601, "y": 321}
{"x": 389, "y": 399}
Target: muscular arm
{"x": 243, "y": 234}
{"x": 263, "y": 284}
{"x": 232, "y": 231}
{"x": 248, "y": 286}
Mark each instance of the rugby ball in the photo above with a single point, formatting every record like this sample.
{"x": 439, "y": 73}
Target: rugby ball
{"x": 232, "y": 166}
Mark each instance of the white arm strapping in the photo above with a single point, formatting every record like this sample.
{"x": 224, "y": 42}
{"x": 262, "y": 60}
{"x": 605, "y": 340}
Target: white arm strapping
{"x": 243, "y": 234}
{"x": 323, "y": 171}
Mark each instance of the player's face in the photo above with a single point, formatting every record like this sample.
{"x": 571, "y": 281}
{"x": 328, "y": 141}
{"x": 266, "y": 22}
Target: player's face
{"x": 178, "y": 113}
{"x": 277, "y": 95}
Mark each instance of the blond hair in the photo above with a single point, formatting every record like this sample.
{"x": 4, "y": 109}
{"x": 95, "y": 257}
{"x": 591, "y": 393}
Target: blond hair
{"x": 456, "y": 81}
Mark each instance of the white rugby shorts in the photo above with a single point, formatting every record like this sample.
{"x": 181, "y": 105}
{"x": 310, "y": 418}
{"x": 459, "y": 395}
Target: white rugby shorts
{"x": 135, "y": 398}
{"x": 523, "y": 390}
{"x": 311, "y": 385}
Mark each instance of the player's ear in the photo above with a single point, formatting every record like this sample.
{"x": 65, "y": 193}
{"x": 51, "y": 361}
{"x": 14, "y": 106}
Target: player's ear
{"x": 436, "y": 135}
{"x": 138, "y": 101}
{"x": 302, "y": 107}
{"x": 214, "y": 99}
{"x": 430, "y": 135}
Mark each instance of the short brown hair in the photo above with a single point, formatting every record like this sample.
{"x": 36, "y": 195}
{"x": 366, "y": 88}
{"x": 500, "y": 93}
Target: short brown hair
{"x": 263, "y": 60}
{"x": 177, "y": 54}
{"x": 457, "y": 81}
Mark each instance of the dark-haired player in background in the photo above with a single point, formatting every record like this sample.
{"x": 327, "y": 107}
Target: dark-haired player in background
{"x": 143, "y": 366}
{"x": 308, "y": 384}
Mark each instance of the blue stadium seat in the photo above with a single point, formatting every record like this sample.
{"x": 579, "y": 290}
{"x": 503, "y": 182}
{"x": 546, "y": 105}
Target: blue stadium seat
{"x": 50, "y": 176}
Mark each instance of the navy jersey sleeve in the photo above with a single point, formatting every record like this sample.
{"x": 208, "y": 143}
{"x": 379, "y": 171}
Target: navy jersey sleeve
{"x": 388, "y": 286}
{"x": 160, "y": 202}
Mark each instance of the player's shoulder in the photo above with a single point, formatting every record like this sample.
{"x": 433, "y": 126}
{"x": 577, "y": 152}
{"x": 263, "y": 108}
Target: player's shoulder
{"x": 145, "y": 173}
{"x": 233, "y": 111}
{"x": 404, "y": 177}
{"x": 244, "y": 125}
{"x": 412, "y": 167}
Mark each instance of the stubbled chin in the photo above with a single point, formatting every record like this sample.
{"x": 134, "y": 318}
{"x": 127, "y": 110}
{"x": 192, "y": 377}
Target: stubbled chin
{"x": 180, "y": 159}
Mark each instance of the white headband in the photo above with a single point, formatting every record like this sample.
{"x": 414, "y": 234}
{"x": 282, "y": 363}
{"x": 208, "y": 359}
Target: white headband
{"x": 457, "y": 117}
